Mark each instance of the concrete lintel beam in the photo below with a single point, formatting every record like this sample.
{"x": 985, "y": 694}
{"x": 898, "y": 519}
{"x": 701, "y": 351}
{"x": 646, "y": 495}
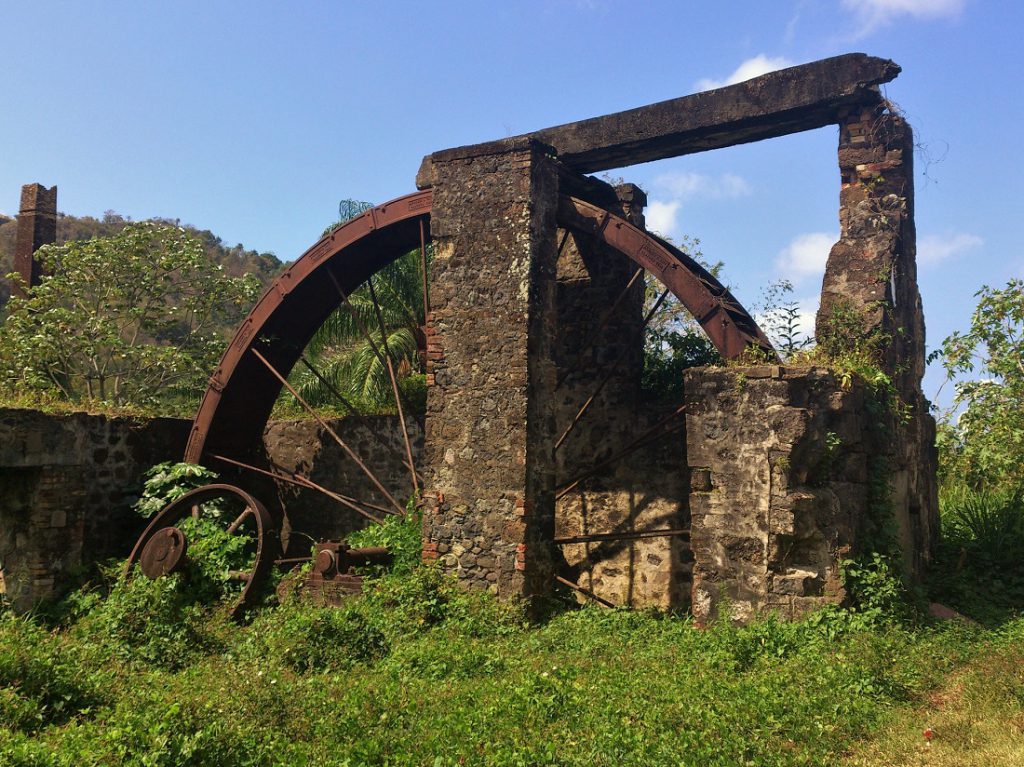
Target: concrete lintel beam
{"x": 786, "y": 101}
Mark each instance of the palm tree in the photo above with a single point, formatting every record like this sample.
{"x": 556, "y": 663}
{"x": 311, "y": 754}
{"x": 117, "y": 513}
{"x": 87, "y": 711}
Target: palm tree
{"x": 346, "y": 362}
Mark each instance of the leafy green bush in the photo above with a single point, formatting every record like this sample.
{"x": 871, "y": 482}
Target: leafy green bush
{"x": 977, "y": 564}
{"x": 403, "y": 537}
{"x": 876, "y": 589}
{"x": 157, "y": 622}
{"x": 40, "y": 681}
{"x": 307, "y": 639}
{"x": 167, "y": 482}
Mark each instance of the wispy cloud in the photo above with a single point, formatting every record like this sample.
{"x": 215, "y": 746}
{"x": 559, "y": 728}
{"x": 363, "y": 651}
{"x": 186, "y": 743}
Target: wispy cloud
{"x": 685, "y": 185}
{"x": 805, "y": 256}
{"x": 670, "y": 190}
{"x": 754, "y": 67}
{"x": 933, "y": 249}
{"x": 662, "y": 217}
{"x": 873, "y": 14}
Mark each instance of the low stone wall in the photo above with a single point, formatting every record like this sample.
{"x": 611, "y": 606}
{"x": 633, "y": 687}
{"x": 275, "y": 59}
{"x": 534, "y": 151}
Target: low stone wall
{"x": 790, "y": 470}
{"x": 65, "y": 485}
{"x": 67, "y": 482}
{"x": 304, "y": 447}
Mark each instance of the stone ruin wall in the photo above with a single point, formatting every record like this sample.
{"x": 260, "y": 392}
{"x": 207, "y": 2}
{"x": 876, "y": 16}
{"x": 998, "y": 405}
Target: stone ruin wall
{"x": 768, "y": 531}
{"x": 66, "y": 482}
{"x": 648, "y": 489}
{"x": 510, "y": 312}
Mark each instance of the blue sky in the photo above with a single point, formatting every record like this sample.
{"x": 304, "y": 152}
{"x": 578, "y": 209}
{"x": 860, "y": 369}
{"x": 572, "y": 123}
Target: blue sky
{"x": 253, "y": 119}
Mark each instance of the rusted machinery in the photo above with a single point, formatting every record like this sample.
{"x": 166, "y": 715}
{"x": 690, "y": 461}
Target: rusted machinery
{"x": 334, "y": 573}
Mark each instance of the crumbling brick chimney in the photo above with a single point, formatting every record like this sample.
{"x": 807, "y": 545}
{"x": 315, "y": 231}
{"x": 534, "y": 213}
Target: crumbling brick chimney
{"x": 37, "y": 226}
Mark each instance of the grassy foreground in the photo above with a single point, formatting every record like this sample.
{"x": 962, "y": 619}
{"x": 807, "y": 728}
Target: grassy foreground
{"x": 419, "y": 673}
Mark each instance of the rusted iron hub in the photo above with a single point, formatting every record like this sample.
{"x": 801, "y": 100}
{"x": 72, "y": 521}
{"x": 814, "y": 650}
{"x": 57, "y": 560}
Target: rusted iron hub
{"x": 164, "y": 553}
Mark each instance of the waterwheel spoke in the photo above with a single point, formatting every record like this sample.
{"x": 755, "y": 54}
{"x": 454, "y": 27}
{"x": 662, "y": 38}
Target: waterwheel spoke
{"x": 239, "y": 520}
{"x": 334, "y": 435}
{"x": 394, "y": 385}
{"x": 352, "y": 410}
{"x": 631, "y": 535}
{"x": 612, "y": 370}
{"x": 304, "y": 482}
{"x": 584, "y": 591}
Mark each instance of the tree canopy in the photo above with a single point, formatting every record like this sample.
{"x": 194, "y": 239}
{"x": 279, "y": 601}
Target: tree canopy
{"x": 131, "y": 319}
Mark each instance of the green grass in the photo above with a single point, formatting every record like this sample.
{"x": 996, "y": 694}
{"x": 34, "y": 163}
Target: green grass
{"x": 418, "y": 672}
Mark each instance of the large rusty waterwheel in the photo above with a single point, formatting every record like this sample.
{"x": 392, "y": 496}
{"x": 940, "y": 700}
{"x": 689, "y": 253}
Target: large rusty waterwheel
{"x": 228, "y": 428}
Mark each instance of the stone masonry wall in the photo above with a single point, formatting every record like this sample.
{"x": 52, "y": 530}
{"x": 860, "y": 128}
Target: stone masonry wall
{"x": 302, "y": 446}
{"x": 871, "y": 277}
{"x": 489, "y": 477}
{"x": 787, "y": 470}
{"x": 65, "y": 481}
{"x": 644, "y": 491}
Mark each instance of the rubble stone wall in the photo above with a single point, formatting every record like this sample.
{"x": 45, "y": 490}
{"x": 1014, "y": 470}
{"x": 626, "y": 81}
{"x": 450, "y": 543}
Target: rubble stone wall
{"x": 791, "y": 472}
{"x": 67, "y": 482}
{"x": 65, "y": 485}
{"x": 304, "y": 447}
{"x": 871, "y": 281}
{"x": 599, "y": 357}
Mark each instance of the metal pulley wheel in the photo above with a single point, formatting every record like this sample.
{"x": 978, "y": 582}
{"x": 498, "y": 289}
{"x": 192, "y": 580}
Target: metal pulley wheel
{"x": 162, "y": 548}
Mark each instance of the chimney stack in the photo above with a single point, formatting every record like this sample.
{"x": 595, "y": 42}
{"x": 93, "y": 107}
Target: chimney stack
{"x": 37, "y": 226}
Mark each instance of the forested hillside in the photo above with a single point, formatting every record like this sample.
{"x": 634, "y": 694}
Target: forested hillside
{"x": 235, "y": 259}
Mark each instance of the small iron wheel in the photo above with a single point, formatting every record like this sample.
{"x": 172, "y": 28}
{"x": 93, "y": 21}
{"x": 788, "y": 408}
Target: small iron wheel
{"x": 162, "y": 548}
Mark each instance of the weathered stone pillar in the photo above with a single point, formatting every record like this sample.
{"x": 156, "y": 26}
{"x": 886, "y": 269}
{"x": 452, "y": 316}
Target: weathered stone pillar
{"x": 489, "y": 513}
{"x": 870, "y": 290}
{"x": 37, "y": 226}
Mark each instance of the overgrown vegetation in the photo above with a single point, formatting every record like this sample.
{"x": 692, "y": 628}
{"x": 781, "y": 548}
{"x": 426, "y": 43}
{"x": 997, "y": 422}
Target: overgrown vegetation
{"x": 417, "y": 671}
{"x": 235, "y": 260}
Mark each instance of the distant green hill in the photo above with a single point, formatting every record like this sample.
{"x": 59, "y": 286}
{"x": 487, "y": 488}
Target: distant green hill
{"x": 236, "y": 260}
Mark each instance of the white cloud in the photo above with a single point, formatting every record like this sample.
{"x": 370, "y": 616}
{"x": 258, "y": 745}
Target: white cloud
{"x": 933, "y": 249}
{"x": 661, "y": 216}
{"x": 671, "y": 190}
{"x": 755, "y": 67}
{"x": 686, "y": 185}
{"x": 805, "y": 256}
{"x": 873, "y": 14}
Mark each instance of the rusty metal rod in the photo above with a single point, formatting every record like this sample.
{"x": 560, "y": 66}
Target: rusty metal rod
{"x": 607, "y": 376}
{"x": 239, "y": 520}
{"x": 327, "y": 427}
{"x": 333, "y": 390}
{"x": 366, "y": 333}
{"x": 627, "y": 536}
{"x": 585, "y": 592}
{"x": 329, "y": 386}
{"x": 394, "y": 386}
{"x": 303, "y": 481}
{"x": 600, "y": 326}
{"x": 651, "y": 435}
{"x": 308, "y": 484}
